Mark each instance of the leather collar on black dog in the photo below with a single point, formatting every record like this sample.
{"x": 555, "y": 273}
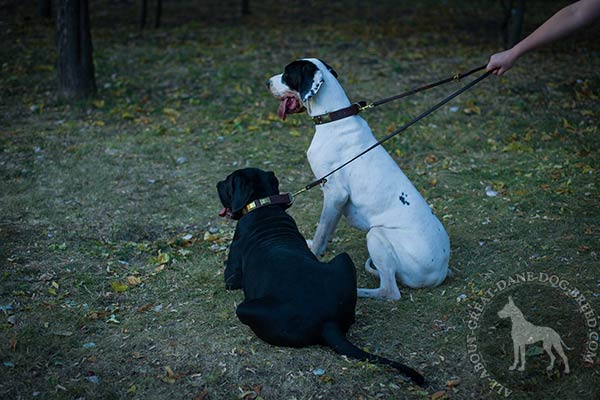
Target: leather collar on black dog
{"x": 285, "y": 198}
{"x": 341, "y": 113}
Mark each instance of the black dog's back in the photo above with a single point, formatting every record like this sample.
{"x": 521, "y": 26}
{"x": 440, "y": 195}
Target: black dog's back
{"x": 293, "y": 313}
{"x": 291, "y": 298}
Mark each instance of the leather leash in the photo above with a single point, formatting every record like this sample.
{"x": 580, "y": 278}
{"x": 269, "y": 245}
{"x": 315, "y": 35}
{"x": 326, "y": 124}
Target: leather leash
{"x": 363, "y": 105}
{"x": 424, "y": 114}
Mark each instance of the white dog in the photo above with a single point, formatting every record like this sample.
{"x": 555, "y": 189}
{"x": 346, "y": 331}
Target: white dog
{"x": 404, "y": 238}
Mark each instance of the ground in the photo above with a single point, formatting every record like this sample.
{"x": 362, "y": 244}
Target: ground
{"x": 112, "y": 252}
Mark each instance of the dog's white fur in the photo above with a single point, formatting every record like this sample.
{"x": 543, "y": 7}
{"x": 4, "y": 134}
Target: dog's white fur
{"x": 404, "y": 238}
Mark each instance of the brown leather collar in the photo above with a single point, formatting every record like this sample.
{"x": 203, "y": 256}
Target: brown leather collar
{"x": 285, "y": 198}
{"x": 340, "y": 114}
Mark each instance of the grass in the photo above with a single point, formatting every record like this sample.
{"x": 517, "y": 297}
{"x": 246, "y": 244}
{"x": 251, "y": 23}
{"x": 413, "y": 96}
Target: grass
{"x": 108, "y": 227}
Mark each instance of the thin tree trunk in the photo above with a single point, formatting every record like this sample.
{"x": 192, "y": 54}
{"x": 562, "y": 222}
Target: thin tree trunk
{"x": 513, "y": 22}
{"x": 74, "y": 47}
{"x": 245, "y": 7}
{"x": 143, "y": 14}
{"x": 44, "y": 8}
{"x": 158, "y": 13}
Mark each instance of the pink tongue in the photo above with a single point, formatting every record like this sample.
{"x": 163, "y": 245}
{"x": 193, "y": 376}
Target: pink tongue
{"x": 289, "y": 105}
{"x": 223, "y": 212}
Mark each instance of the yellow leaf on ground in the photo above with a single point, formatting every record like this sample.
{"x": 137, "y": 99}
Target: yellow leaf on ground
{"x": 118, "y": 287}
{"x": 133, "y": 280}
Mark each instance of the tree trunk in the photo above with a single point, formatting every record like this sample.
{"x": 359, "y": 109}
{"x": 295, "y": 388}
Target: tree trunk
{"x": 513, "y": 22}
{"x": 245, "y": 7}
{"x": 44, "y": 8}
{"x": 158, "y": 13}
{"x": 143, "y": 14}
{"x": 74, "y": 47}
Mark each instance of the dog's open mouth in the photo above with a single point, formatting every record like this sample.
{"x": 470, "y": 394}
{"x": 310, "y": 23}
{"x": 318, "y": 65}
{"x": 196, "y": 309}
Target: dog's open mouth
{"x": 290, "y": 104}
{"x": 225, "y": 212}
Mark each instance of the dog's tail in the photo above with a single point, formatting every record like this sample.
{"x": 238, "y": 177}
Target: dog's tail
{"x": 564, "y": 345}
{"x": 370, "y": 269}
{"x": 336, "y": 339}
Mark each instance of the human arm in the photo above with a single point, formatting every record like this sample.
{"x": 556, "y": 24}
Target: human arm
{"x": 564, "y": 22}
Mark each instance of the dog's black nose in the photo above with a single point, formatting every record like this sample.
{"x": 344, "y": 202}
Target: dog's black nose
{"x": 268, "y": 83}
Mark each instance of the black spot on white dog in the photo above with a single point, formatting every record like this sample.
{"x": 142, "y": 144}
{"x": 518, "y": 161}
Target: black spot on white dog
{"x": 404, "y": 199}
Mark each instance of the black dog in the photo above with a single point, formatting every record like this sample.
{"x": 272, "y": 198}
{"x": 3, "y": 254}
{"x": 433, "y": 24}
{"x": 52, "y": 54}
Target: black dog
{"x": 291, "y": 298}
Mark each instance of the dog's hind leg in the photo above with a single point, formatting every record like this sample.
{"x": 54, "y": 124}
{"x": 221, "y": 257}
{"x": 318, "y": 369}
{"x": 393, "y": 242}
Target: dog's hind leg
{"x": 273, "y": 322}
{"x": 559, "y": 349}
{"x": 548, "y": 348}
{"x": 384, "y": 260}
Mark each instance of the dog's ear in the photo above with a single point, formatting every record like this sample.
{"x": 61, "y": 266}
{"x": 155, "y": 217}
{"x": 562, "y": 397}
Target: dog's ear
{"x": 224, "y": 191}
{"x": 304, "y": 77}
{"x": 273, "y": 182}
{"x": 241, "y": 194}
{"x": 329, "y": 68}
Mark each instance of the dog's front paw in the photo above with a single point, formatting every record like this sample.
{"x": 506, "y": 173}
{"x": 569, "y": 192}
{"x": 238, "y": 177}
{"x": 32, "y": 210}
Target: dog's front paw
{"x": 315, "y": 251}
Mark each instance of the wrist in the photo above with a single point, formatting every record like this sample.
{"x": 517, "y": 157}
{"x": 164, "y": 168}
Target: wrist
{"x": 515, "y": 52}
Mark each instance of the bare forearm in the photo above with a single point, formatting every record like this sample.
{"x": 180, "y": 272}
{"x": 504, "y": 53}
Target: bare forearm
{"x": 561, "y": 24}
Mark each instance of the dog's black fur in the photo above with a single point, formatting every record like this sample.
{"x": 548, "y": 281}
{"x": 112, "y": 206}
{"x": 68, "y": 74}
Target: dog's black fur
{"x": 291, "y": 298}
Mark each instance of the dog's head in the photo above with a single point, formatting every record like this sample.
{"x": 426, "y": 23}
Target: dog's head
{"x": 299, "y": 82}
{"x": 244, "y": 186}
{"x": 509, "y": 309}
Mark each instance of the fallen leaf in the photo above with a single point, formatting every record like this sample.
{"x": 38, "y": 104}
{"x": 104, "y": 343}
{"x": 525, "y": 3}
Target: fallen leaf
{"x": 133, "y": 280}
{"x": 250, "y": 392}
{"x": 471, "y": 108}
{"x": 203, "y": 395}
{"x": 438, "y": 395}
{"x": 210, "y": 237}
{"x": 163, "y": 258}
{"x": 170, "y": 377}
{"x": 118, "y": 287}
{"x": 453, "y": 383}
{"x": 430, "y": 159}
{"x": 145, "y": 307}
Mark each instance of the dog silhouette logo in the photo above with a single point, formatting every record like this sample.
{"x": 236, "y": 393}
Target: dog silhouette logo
{"x": 524, "y": 332}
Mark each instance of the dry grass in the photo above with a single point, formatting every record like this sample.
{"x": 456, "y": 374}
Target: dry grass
{"x": 108, "y": 226}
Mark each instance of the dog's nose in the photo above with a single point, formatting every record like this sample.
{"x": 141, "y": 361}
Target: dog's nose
{"x": 268, "y": 83}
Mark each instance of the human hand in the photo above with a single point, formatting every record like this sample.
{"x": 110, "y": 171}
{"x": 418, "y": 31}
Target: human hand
{"x": 501, "y": 62}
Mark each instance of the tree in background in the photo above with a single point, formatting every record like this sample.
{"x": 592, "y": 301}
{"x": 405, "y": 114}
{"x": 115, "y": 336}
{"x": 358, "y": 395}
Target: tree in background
{"x": 74, "y": 47}
{"x": 245, "y": 7}
{"x": 512, "y": 27}
{"x": 44, "y": 8}
{"x": 144, "y": 11}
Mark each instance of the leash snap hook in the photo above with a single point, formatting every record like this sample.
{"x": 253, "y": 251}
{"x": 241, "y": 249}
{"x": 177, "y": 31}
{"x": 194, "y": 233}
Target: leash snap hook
{"x": 362, "y": 105}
